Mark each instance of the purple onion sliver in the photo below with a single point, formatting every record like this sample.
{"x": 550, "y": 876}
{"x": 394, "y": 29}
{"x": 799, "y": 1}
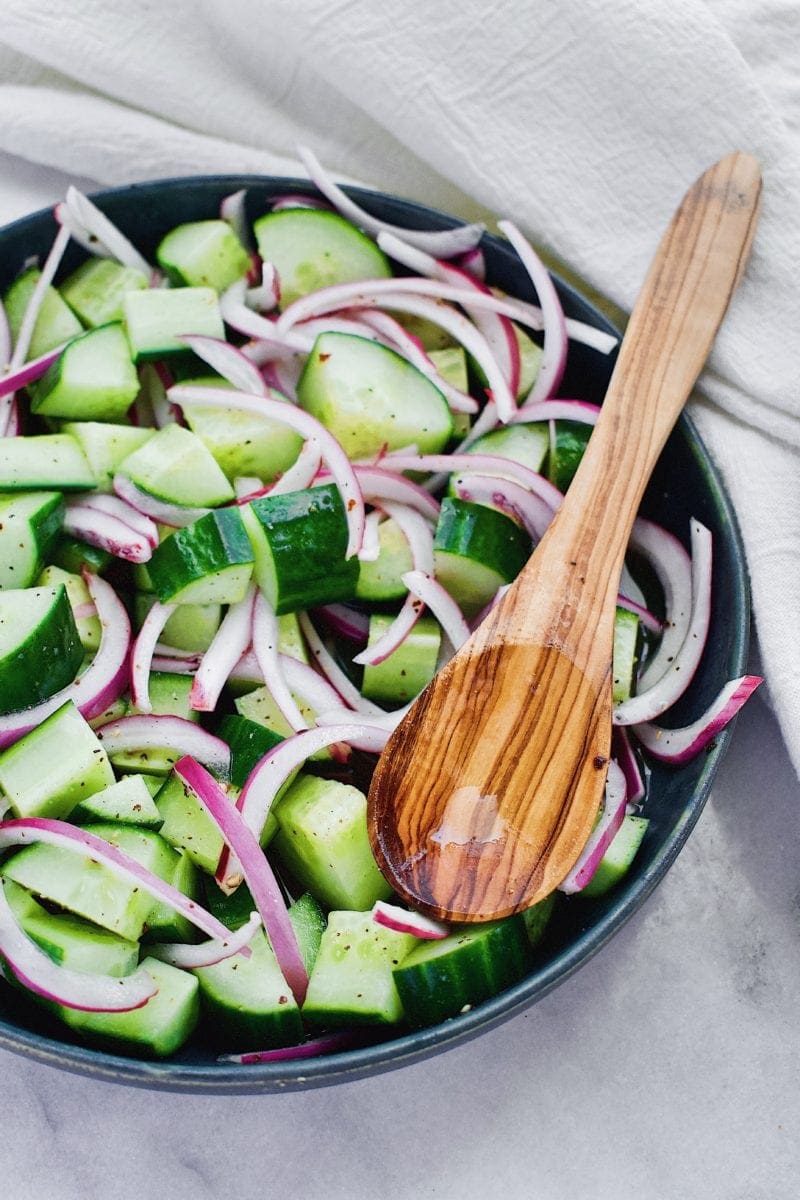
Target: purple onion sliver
{"x": 227, "y": 646}
{"x": 314, "y": 1049}
{"x": 28, "y": 373}
{"x": 624, "y": 755}
{"x": 679, "y": 746}
{"x": 208, "y": 954}
{"x": 142, "y": 653}
{"x": 554, "y": 356}
{"x": 181, "y": 737}
{"x": 601, "y": 837}
{"x": 227, "y": 361}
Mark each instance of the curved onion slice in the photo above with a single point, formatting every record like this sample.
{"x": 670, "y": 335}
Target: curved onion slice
{"x": 182, "y": 737}
{"x": 206, "y": 954}
{"x": 554, "y": 356}
{"x": 232, "y": 210}
{"x": 227, "y": 361}
{"x": 175, "y": 515}
{"x": 73, "y": 989}
{"x": 29, "y": 372}
{"x": 333, "y": 672}
{"x": 116, "y": 507}
{"x": 265, "y": 645}
{"x": 441, "y": 604}
{"x": 387, "y": 722}
{"x": 380, "y": 483}
{"x": 673, "y": 567}
{"x": 649, "y": 620}
{"x": 580, "y": 411}
{"x": 175, "y": 666}
{"x": 97, "y": 225}
{"x": 623, "y": 754}
{"x": 302, "y": 471}
{"x": 46, "y": 275}
{"x": 528, "y": 510}
{"x": 601, "y": 837}
{"x": 101, "y": 529}
{"x": 648, "y": 704}
{"x": 678, "y": 746}
{"x": 486, "y": 463}
{"x": 312, "y": 1049}
{"x": 143, "y": 650}
{"x": 391, "y": 916}
{"x": 227, "y": 647}
{"x": 101, "y": 683}
{"x": 444, "y": 244}
{"x": 307, "y": 426}
{"x": 24, "y": 831}
{"x": 243, "y": 844}
{"x": 347, "y": 622}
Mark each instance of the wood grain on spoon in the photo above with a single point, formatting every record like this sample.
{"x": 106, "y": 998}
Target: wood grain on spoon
{"x": 488, "y": 790}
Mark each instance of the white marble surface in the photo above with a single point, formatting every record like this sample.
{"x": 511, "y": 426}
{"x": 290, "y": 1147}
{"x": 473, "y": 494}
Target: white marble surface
{"x": 666, "y": 1069}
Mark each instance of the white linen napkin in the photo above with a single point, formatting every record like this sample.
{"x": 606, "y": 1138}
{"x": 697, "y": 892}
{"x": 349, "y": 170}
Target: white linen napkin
{"x": 584, "y": 122}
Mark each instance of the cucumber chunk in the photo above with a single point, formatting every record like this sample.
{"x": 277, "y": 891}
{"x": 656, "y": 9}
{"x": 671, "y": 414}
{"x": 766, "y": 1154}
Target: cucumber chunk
{"x": 207, "y": 562}
{"x": 29, "y": 526}
{"x": 128, "y": 802}
{"x": 106, "y": 446}
{"x": 191, "y": 626}
{"x": 155, "y": 319}
{"x": 89, "y": 628}
{"x": 243, "y": 443}
{"x": 187, "y": 826}
{"x": 258, "y": 706}
{"x": 249, "y": 742}
{"x": 50, "y": 460}
{"x": 93, "y": 380}
{"x": 476, "y": 550}
{"x": 571, "y": 440}
{"x": 371, "y": 398}
{"x": 440, "y": 979}
{"x": 40, "y": 650}
{"x": 246, "y": 1002}
{"x": 312, "y": 248}
{"x": 203, "y": 254}
{"x": 158, "y": 1029}
{"x": 352, "y": 981}
{"x": 300, "y": 540}
{"x": 174, "y": 465}
{"x": 55, "y": 766}
{"x": 308, "y": 922}
{"x": 403, "y": 675}
{"x": 71, "y": 942}
{"x": 626, "y": 643}
{"x": 618, "y": 857}
{"x": 322, "y": 840}
{"x": 381, "y": 579}
{"x": 74, "y": 555}
{"x": 537, "y": 918}
{"x": 95, "y": 291}
{"x": 54, "y": 325}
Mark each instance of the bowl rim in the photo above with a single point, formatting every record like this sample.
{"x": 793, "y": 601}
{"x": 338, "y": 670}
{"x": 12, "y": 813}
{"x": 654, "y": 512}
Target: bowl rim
{"x": 358, "y": 1062}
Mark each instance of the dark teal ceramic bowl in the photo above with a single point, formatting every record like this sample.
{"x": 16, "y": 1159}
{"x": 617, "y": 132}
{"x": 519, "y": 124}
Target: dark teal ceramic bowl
{"x": 685, "y": 484}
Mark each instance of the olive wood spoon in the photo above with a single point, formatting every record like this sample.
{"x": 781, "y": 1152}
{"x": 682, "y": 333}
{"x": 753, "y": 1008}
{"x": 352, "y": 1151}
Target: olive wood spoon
{"x": 489, "y": 788}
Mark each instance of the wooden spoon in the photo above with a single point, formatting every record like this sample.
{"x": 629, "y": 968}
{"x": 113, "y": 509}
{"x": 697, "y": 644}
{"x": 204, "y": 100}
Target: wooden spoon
{"x": 489, "y": 788}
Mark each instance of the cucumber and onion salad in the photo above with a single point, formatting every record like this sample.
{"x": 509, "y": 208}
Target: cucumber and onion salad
{"x": 251, "y": 498}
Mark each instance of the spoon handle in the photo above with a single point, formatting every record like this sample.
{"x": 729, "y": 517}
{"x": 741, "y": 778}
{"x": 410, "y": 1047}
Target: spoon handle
{"x": 673, "y": 324}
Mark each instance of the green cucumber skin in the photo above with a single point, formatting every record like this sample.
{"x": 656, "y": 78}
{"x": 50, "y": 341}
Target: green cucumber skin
{"x": 571, "y": 440}
{"x": 304, "y": 564}
{"x": 31, "y": 523}
{"x": 71, "y": 554}
{"x": 313, "y": 248}
{"x": 47, "y": 660}
{"x": 441, "y": 979}
{"x": 480, "y": 534}
{"x": 214, "y": 542}
{"x": 44, "y": 461}
{"x": 249, "y": 742}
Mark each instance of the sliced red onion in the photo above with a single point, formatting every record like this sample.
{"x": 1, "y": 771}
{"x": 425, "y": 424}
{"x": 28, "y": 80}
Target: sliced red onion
{"x": 98, "y": 225}
{"x": 648, "y": 704}
{"x": 247, "y": 487}
{"x": 554, "y": 356}
{"x": 441, "y": 604}
{"x": 601, "y": 837}
{"x": 278, "y": 764}
{"x": 486, "y": 421}
{"x": 174, "y": 515}
{"x": 240, "y": 318}
{"x": 180, "y": 736}
{"x": 679, "y": 746}
{"x": 529, "y": 511}
{"x": 311, "y": 1049}
{"x": 474, "y": 263}
{"x": 308, "y": 427}
{"x": 266, "y": 640}
{"x": 38, "y": 972}
{"x": 177, "y": 653}
{"x": 227, "y": 647}
{"x": 391, "y": 916}
{"x": 207, "y": 954}
{"x": 302, "y": 472}
{"x": 25, "y": 333}
{"x": 266, "y": 297}
{"x": 227, "y": 361}
{"x": 103, "y": 681}
{"x": 87, "y": 241}
{"x": 371, "y": 546}
{"x": 142, "y": 653}
{"x": 387, "y": 722}
{"x": 649, "y": 620}
{"x": 444, "y": 244}
{"x": 380, "y": 484}
{"x": 623, "y": 754}
{"x": 25, "y": 831}
{"x": 497, "y": 330}
{"x": 29, "y": 372}
{"x": 116, "y": 507}
{"x": 152, "y": 405}
{"x": 485, "y": 463}
{"x": 299, "y": 200}
{"x": 175, "y": 666}
{"x": 311, "y": 687}
{"x": 107, "y": 532}
{"x": 243, "y": 845}
{"x": 232, "y": 210}
{"x": 333, "y": 672}
{"x": 673, "y": 567}
{"x": 580, "y": 411}
{"x": 347, "y": 622}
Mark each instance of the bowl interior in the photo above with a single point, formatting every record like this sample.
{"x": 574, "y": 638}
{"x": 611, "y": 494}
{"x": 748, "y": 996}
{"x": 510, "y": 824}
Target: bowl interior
{"x": 685, "y": 484}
